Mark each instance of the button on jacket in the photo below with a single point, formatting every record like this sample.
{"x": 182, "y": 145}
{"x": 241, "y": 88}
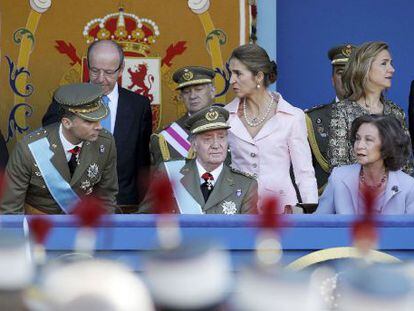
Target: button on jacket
{"x": 281, "y": 141}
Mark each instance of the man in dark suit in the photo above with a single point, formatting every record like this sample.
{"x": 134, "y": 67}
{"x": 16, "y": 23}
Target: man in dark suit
{"x": 130, "y": 122}
{"x": 318, "y": 118}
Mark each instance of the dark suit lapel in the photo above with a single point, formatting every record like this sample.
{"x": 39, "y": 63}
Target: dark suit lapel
{"x": 59, "y": 158}
{"x": 222, "y": 189}
{"x": 191, "y": 182}
{"x": 122, "y": 114}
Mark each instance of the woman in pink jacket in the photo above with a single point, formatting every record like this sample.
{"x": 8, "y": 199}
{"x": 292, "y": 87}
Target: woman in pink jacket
{"x": 268, "y": 135}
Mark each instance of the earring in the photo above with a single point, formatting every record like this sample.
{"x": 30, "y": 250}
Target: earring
{"x": 258, "y": 86}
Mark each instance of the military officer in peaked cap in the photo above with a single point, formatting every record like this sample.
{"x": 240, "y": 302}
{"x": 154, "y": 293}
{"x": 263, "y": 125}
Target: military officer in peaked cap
{"x": 195, "y": 84}
{"x": 206, "y": 185}
{"x": 318, "y": 118}
{"x": 51, "y": 168}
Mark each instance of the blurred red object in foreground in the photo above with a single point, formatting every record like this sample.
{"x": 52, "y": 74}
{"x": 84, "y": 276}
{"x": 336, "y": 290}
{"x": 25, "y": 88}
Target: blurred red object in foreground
{"x": 89, "y": 211}
{"x": 163, "y": 198}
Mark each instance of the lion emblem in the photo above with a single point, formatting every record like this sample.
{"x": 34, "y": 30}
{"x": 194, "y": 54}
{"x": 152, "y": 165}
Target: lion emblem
{"x": 139, "y": 78}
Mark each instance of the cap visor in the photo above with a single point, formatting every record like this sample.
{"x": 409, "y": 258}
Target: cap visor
{"x": 210, "y": 128}
{"x": 194, "y": 82}
{"x": 96, "y": 115}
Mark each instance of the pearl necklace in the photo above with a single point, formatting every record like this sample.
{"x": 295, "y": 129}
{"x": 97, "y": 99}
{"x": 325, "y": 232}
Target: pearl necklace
{"x": 254, "y": 122}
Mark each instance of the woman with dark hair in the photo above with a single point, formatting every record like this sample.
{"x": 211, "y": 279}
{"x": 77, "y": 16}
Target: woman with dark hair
{"x": 381, "y": 148}
{"x": 268, "y": 135}
{"x": 366, "y": 77}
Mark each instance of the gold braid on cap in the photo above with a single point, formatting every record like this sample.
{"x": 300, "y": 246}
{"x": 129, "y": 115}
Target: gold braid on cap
{"x": 86, "y": 108}
{"x": 210, "y": 126}
{"x": 194, "y": 82}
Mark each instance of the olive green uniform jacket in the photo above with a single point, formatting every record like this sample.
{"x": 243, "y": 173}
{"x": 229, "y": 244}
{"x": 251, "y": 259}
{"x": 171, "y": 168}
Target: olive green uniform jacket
{"x": 233, "y": 193}
{"x": 95, "y": 174}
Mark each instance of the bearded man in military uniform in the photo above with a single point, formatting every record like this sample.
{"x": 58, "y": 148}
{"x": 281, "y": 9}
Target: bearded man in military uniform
{"x": 53, "y": 167}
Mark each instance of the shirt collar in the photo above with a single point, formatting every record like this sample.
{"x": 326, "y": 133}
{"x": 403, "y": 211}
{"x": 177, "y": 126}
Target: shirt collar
{"x": 216, "y": 172}
{"x": 113, "y": 96}
{"x": 67, "y": 145}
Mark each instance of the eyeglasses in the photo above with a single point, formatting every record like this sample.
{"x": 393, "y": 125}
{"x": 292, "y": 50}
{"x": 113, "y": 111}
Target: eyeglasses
{"x": 106, "y": 72}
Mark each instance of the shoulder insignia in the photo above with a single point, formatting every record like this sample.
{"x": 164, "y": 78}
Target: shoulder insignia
{"x": 191, "y": 153}
{"x": 318, "y": 107}
{"x": 36, "y": 134}
{"x": 234, "y": 170}
{"x": 314, "y": 145}
{"x": 105, "y": 134}
{"x": 165, "y": 152}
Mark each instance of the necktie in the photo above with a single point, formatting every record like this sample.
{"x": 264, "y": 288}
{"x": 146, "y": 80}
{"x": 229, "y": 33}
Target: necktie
{"x": 106, "y": 123}
{"x": 73, "y": 162}
{"x": 207, "y": 186}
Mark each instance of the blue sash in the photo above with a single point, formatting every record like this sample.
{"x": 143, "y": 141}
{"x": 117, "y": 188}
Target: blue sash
{"x": 58, "y": 187}
{"x": 186, "y": 203}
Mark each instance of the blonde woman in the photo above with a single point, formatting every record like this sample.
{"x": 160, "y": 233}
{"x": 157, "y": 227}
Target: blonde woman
{"x": 367, "y": 76}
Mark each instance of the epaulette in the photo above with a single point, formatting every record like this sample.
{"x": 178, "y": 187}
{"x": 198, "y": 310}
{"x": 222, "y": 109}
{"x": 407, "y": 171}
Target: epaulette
{"x": 234, "y": 170}
{"x": 163, "y": 145}
{"x": 36, "y": 134}
{"x": 318, "y": 107}
{"x": 104, "y": 133}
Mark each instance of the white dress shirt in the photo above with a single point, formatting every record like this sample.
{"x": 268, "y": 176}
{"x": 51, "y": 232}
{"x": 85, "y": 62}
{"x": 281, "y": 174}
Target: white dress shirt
{"x": 216, "y": 172}
{"x": 113, "y": 105}
{"x": 67, "y": 145}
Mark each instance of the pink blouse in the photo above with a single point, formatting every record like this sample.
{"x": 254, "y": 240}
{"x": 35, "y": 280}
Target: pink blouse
{"x": 281, "y": 141}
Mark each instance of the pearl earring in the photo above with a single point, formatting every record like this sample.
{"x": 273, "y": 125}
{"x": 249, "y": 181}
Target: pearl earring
{"x": 258, "y": 86}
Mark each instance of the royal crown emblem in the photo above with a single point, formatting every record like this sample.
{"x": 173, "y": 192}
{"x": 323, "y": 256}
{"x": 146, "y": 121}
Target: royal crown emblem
{"x": 212, "y": 115}
{"x": 188, "y": 75}
{"x": 347, "y": 50}
{"x": 134, "y": 34}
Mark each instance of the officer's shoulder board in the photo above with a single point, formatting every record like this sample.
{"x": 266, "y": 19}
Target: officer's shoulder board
{"x": 159, "y": 140}
{"x": 105, "y": 134}
{"x": 35, "y": 135}
{"x": 318, "y": 108}
{"x": 234, "y": 170}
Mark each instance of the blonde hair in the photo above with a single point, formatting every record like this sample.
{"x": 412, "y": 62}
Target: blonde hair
{"x": 355, "y": 76}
